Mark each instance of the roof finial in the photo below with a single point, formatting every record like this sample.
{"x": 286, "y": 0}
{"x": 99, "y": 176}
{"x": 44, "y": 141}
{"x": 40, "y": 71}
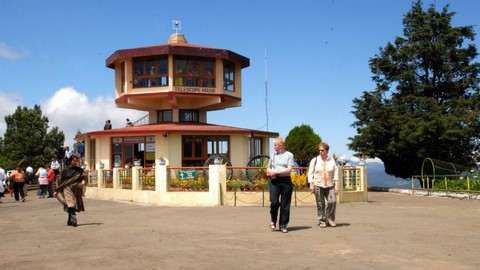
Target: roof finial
{"x": 177, "y": 38}
{"x": 177, "y": 25}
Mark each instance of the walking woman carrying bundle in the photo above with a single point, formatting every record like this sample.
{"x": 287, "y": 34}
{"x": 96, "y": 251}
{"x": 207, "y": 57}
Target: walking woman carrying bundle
{"x": 70, "y": 190}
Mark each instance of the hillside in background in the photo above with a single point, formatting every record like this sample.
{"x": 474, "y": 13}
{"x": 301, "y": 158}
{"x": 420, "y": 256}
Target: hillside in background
{"x": 378, "y": 178}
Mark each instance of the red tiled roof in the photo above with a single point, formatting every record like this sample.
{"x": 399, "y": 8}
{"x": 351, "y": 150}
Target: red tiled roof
{"x": 183, "y": 128}
{"x": 177, "y": 49}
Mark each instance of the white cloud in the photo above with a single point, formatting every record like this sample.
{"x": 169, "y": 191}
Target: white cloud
{"x": 72, "y": 111}
{"x": 6, "y": 52}
{"x": 8, "y": 104}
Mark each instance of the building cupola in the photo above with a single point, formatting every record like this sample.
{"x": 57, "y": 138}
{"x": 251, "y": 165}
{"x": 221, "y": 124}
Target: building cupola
{"x": 177, "y": 38}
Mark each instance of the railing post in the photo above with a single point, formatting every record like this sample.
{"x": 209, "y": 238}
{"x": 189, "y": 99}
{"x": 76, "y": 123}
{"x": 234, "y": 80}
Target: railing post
{"x": 116, "y": 178}
{"x": 217, "y": 182}
{"x": 340, "y": 184}
{"x": 99, "y": 178}
{"x": 135, "y": 178}
{"x": 161, "y": 180}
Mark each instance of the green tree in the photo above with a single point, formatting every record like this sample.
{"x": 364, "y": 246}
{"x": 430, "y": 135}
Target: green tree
{"x": 426, "y": 102}
{"x": 303, "y": 143}
{"x": 27, "y": 142}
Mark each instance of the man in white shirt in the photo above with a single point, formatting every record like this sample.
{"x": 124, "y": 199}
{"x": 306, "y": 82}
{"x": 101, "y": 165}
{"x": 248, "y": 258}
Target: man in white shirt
{"x": 68, "y": 154}
{"x": 3, "y": 176}
{"x": 55, "y": 166}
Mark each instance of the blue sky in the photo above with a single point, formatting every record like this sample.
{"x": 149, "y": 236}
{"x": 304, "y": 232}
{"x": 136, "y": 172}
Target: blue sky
{"x": 53, "y": 53}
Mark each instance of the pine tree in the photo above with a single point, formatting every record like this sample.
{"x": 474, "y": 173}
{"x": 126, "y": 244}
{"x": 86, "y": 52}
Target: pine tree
{"x": 426, "y": 102}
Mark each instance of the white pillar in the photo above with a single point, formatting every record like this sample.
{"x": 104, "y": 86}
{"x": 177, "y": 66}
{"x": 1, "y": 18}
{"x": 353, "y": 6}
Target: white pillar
{"x": 217, "y": 182}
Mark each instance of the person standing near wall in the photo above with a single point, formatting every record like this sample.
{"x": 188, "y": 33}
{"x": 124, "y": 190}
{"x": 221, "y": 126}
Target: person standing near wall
{"x": 278, "y": 170}
{"x": 323, "y": 180}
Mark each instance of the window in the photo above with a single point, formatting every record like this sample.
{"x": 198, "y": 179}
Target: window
{"x": 217, "y": 145}
{"x": 256, "y": 146}
{"x": 228, "y": 75}
{"x": 123, "y": 78}
{"x": 164, "y": 116}
{"x": 197, "y": 149}
{"x": 150, "y": 72}
{"x": 189, "y": 116}
{"x": 126, "y": 150}
{"x": 92, "y": 152}
{"x": 194, "y": 71}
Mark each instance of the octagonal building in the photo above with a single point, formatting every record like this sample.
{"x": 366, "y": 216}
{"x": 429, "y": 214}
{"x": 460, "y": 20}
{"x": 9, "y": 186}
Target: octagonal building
{"x": 176, "y": 84}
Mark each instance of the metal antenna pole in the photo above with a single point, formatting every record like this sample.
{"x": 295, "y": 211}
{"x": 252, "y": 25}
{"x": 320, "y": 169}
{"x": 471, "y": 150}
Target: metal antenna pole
{"x": 266, "y": 88}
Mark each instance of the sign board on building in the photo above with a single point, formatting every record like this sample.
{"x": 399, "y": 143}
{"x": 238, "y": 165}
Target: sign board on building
{"x": 134, "y": 139}
{"x": 187, "y": 174}
{"x": 150, "y": 147}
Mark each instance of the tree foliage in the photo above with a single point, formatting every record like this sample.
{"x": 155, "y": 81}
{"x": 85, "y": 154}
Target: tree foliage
{"x": 303, "y": 143}
{"x": 27, "y": 141}
{"x": 426, "y": 102}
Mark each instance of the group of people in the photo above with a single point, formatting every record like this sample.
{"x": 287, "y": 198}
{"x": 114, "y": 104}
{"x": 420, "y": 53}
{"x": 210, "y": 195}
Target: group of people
{"x": 69, "y": 191}
{"x": 323, "y": 182}
{"x": 45, "y": 175}
{"x": 322, "y": 179}
{"x": 108, "y": 124}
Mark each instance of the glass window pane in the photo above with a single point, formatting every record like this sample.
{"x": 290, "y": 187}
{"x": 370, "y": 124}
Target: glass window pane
{"x": 167, "y": 116}
{"x": 211, "y": 146}
{"x": 187, "y": 146}
{"x": 138, "y": 67}
{"x": 208, "y": 68}
{"x": 162, "y": 67}
{"x": 180, "y": 66}
{"x": 129, "y": 153}
{"x": 117, "y": 148}
{"x": 198, "y": 147}
{"x": 223, "y": 146}
{"x": 151, "y": 67}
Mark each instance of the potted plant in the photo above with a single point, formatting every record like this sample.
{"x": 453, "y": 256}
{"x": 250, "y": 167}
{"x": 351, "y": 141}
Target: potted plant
{"x": 161, "y": 161}
{"x": 137, "y": 162}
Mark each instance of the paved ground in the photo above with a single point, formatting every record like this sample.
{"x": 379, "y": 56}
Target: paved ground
{"x": 391, "y": 231}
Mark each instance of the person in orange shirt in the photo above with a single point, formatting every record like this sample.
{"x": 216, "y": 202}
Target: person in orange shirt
{"x": 18, "y": 177}
{"x": 51, "y": 177}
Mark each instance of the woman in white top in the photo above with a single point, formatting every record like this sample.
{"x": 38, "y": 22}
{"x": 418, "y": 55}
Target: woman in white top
{"x": 42, "y": 182}
{"x": 323, "y": 179}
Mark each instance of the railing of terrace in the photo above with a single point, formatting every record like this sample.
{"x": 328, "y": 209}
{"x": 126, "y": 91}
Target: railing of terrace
{"x": 92, "y": 180}
{"x": 160, "y": 185}
{"x": 125, "y": 178}
{"x": 351, "y": 179}
{"x": 107, "y": 178}
{"x": 146, "y": 178}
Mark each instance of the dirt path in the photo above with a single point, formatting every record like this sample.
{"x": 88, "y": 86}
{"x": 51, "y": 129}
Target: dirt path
{"x": 391, "y": 231}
